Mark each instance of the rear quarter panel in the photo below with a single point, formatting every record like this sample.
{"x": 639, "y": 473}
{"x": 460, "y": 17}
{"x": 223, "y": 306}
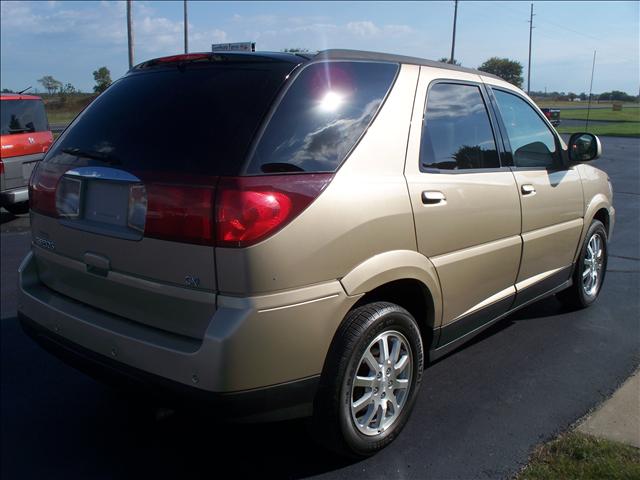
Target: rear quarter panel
{"x": 363, "y": 212}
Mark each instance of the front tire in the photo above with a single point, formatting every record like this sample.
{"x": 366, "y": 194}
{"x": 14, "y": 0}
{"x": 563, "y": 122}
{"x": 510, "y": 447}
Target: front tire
{"x": 370, "y": 380}
{"x": 590, "y": 269}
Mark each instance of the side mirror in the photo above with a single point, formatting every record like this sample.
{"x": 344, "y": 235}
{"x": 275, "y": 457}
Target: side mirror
{"x": 584, "y": 147}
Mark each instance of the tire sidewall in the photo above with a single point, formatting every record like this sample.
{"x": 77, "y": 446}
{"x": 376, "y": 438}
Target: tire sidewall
{"x": 392, "y": 318}
{"x": 596, "y": 227}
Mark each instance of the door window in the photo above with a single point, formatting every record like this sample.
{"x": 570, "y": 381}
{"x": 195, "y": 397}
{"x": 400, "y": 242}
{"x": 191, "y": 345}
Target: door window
{"x": 532, "y": 143}
{"x": 457, "y": 133}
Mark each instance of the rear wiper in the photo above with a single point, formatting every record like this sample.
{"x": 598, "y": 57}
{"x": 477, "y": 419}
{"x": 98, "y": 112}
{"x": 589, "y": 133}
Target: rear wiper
{"x": 103, "y": 157}
{"x": 21, "y": 130}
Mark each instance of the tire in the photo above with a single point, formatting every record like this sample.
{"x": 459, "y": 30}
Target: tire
{"x": 18, "y": 208}
{"x": 335, "y": 424}
{"x": 586, "y": 288}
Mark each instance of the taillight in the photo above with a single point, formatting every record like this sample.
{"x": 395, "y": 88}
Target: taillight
{"x": 180, "y": 213}
{"x": 1, "y": 167}
{"x": 43, "y": 185}
{"x": 249, "y": 209}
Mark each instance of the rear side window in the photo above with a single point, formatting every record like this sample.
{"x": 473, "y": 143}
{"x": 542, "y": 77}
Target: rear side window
{"x": 321, "y": 117}
{"x": 22, "y": 116}
{"x": 191, "y": 119}
{"x": 532, "y": 143}
{"x": 457, "y": 133}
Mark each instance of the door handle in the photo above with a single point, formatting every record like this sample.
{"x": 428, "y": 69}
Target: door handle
{"x": 431, "y": 197}
{"x": 528, "y": 189}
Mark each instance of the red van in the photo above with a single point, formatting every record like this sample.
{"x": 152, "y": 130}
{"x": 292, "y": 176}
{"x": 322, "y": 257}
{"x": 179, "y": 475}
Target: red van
{"x": 24, "y": 138}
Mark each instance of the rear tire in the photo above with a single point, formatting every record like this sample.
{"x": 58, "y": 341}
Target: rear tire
{"x": 367, "y": 391}
{"x": 590, "y": 269}
{"x": 18, "y": 208}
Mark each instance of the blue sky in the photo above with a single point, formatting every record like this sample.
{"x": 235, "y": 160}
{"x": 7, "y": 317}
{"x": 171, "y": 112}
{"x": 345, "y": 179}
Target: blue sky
{"x": 71, "y": 39}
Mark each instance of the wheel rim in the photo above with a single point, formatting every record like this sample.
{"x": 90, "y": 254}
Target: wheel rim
{"x": 593, "y": 264}
{"x": 382, "y": 382}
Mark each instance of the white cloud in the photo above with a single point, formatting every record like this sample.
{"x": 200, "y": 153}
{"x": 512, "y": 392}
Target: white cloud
{"x": 363, "y": 28}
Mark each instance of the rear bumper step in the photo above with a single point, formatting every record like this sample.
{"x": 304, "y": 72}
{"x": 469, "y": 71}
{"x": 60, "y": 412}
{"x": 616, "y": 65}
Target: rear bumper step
{"x": 17, "y": 195}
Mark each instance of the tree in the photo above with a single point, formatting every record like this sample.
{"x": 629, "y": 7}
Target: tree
{"x": 7, "y": 90}
{"x": 50, "y": 84}
{"x": 571, "y": 96}
{"x": 446, "y": 60}
{"x": 509, "y": 70}
{"x": 102, "y": 76}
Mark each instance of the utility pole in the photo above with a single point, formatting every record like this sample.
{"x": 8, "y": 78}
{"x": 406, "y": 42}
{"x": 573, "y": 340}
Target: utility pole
{"x": 530, "y": 37}
{"x": 453, "y": 39}
{"x": 130, "y": 33}
{"x": 593, "y": 67}
{"x": 186, "y": 29}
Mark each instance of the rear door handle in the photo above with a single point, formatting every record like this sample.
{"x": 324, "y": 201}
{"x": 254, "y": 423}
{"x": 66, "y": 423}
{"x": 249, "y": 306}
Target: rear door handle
{"x": 527, "y": 189}
{"x": 431, "y": 197}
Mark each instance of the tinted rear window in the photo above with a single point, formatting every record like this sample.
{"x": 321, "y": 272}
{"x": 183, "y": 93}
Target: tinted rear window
{"x": 457, "y": 133}
{"x": 321, "y": 117}
{"x": 195, "y": 119}
{"x": 22, "y": 116}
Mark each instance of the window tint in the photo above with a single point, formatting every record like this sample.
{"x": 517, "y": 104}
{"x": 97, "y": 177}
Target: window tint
{"x": 457, "y": 133}
{"x": 22, "y": 116}
{"x": 532, "y": 143}
{"x": 322, "y": 116}
{"x": 192, "y": 119}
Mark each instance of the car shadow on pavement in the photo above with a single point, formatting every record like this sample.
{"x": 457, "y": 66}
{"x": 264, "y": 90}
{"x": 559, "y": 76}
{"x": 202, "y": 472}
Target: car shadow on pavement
{"x": 547, "y": 307}
{"x": 6, "y": 216}
{"x": 186, "y": 445}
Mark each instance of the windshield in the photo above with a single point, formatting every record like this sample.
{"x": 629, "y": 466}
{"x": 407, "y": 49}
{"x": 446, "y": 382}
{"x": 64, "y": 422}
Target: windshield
{"x": 22, "y": 116}
{"x": 196, "y": 119}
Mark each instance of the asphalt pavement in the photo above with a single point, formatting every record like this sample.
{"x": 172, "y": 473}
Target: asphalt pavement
{"x": 480, "y": 412}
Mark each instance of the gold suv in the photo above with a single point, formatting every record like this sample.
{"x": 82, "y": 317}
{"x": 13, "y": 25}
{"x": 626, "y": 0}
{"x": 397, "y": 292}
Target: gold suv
{"x": 280, "y": 236}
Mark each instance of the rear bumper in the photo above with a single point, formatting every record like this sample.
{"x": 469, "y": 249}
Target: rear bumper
{"x": 279, "y": 402}
{"x": 16, "y": 195}
{"x": 254, "y": 347}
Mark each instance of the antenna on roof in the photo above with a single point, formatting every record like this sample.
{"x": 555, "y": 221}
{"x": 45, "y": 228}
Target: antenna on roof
{"x": 22, "y": 91}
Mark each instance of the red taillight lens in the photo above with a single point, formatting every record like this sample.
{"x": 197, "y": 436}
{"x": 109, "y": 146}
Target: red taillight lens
{"x": 249, "y": 209}
{"x": 42, "y": 187}
{"x": 180, "y": 213}
{"x": 1, "y": 167}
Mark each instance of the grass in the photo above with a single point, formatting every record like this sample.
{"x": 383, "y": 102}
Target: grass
{"x": 61, "y": 117}
{"x": 618, "y": 129}
{"x": 625, "y": 115}
{"x": 579, "y": 456}
{"x": 568, "y": 104}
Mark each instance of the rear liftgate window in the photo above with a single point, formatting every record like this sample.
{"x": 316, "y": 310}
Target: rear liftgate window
{"x": 22, "y": 116}
{"x": 322, "y": 116}
{"x": 193, "y": 119}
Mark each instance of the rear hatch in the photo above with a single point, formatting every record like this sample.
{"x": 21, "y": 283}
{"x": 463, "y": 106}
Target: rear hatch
{"x": 25, "y": 136}
{"x": 124, "y": 202}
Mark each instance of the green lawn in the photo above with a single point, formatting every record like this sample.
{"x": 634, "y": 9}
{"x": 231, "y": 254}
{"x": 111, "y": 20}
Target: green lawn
{"x": 567, "y": 104}
{"x": 578, "y": 456}
{"x": 626, "y": 115}
{"x": 61, "y": 117}
{"x": 619, "y": 129}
